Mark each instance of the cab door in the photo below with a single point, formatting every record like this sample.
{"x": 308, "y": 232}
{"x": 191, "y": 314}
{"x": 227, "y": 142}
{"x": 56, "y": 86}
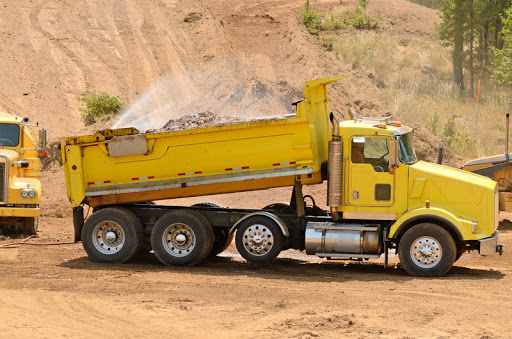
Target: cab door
{"x": 370, "y": 183}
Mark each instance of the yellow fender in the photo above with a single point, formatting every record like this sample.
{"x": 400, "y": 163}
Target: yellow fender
{"x": 455, "y": 225}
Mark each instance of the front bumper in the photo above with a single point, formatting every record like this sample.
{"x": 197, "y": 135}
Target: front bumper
{"x": 19, "y": 212}
{"x": 490, "y": 246}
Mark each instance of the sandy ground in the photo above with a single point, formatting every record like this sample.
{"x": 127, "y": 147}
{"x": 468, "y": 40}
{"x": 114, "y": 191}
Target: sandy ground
{"x": 55, "y": 50}
{"x": 55, "y": 290}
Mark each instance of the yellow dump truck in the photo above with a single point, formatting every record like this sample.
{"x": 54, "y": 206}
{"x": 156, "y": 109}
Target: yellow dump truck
{"x": 379, "y": 195}
{"x": 20, "y": 189}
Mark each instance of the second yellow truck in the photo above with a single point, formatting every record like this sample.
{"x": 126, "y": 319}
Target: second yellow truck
{"x": 379, "y": 195}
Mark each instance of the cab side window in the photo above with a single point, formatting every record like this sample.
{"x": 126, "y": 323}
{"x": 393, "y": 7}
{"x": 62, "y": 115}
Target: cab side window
{"x": 373, "y": 151}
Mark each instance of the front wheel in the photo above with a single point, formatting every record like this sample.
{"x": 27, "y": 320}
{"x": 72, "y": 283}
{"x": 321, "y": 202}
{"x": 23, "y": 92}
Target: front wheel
{"x": 259, "y": 239}
{"x": 29, "y": 226}
{"x": 427, "y": 250}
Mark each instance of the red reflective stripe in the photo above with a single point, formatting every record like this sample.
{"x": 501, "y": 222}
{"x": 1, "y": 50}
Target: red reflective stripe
{"x": 98, "y": 182}
{"x": 284, "y": 163}
{"x": 143, "y": 178}
{"x": 237, "y": 168}
{"x": 190, "y": 173}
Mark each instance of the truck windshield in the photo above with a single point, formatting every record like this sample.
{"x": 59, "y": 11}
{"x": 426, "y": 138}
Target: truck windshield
{"x": 9, "y": 135}
{"x": 407, "y": 155}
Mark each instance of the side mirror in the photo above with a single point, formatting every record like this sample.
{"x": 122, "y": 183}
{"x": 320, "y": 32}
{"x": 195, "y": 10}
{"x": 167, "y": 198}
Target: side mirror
{"x": 42, "y": 138}
{"x": 393, "y": 153}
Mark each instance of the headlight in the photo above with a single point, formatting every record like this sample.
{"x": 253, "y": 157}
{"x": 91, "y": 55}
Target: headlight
{"x": 28, "y": 193}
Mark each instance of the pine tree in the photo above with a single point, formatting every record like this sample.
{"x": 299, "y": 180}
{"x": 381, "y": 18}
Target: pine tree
{"x": 502, "y": 72}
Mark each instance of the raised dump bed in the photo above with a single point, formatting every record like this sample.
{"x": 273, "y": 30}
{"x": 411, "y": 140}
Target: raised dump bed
{"x": 125, "y": 166}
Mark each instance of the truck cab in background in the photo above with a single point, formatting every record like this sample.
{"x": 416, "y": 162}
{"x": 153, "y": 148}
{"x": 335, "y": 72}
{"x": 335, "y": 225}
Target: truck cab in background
{"x": 20, "y": 188}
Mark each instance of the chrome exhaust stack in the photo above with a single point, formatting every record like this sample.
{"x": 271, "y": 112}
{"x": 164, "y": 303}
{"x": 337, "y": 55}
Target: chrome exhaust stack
{"x": 335, "y": 169}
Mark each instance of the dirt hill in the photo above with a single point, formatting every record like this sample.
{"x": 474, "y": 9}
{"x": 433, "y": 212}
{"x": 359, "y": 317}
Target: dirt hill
{"x": 171, "y": 58}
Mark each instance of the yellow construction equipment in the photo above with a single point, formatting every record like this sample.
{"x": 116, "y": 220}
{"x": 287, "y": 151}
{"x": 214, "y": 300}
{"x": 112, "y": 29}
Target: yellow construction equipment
{"x": 379, "y": 195}
{"x": 20, "y": 189}
{"x": 498, "y": 168}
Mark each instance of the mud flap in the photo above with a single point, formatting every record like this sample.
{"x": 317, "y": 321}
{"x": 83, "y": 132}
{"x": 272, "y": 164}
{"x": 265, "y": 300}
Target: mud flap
{"x": 78, "y": 222}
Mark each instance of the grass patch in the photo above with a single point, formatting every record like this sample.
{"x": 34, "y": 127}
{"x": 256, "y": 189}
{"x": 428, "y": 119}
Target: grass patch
{"x": 316, "y": 21}
{"x": 369, "y": 51}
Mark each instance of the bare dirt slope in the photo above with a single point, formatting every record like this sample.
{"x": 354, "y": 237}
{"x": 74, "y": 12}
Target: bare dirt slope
{"x": 54, "y": 50}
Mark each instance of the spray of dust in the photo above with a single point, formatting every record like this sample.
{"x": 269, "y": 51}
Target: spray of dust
{"x": 217, "y": 89}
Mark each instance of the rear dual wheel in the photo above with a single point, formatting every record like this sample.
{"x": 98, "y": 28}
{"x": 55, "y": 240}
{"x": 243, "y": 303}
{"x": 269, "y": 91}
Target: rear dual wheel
{"x": 112, "y": 235}
{"x": 183, "y": 238}
{"x": 222, "y": 236}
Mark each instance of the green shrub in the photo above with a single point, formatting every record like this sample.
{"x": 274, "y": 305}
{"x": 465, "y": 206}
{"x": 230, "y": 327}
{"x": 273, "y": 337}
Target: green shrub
{"x": 98, "y": 105}
{"x": 433, "y": 121}
{"x": 449, "y": 130}
{"x": 360, "y": 20}
{"x": 311, "y": 18}
{"x": 332, "y": 22}
{"x": 455, "y": 137}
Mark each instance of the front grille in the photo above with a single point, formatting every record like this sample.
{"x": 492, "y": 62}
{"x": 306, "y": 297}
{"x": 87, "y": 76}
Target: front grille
{"x": 2, "y": 182}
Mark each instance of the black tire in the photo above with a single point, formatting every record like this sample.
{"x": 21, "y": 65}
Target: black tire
{"x": 259, "y": 239}
{"x": 276, "y": 206}
{"x": 459, "y": 254}
{"x": 222, "y": 236}
{"x": 222, "y": 241}
{"x": 188, "y": 238}
{"x": 112, "y": 235}
{"x": 438, "y": 246}
{"x": 29, "y": 226}
{"x": 207, "y": 204}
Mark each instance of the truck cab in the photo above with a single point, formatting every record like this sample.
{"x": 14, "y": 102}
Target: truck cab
{"x": 20, "y": 188}
{"x": 383, "y": 180}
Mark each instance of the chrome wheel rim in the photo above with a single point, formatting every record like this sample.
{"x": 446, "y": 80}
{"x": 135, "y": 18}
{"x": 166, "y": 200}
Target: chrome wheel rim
{"x": 179, "y": 240}
{"x": 108, "y": 237}
{"x": 258, "y": 239}
{"x": 426, "y": 252}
